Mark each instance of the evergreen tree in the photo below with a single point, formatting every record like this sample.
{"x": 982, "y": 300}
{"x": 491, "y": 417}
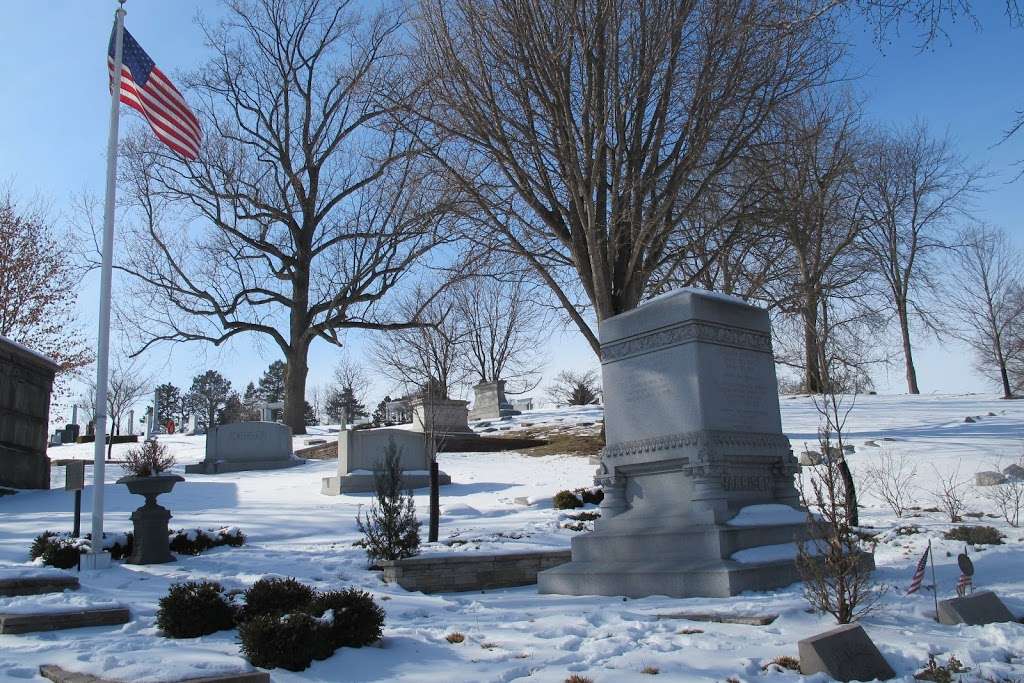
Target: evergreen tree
{"x": 390, "y": 529}
{"x": 380, "y": 413}
{"x": 344, "y": 401}
{"x": 208, "y": 395}
{"x": 310, "y": 415}
{"x": 169, "y": 403}
{"x": 250, "y": 413}
{"x": 233, "y": 410}
{"x": 271, "y": 388}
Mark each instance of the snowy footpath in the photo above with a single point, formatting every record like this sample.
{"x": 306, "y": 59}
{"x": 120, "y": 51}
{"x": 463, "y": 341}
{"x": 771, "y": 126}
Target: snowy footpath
{"x": 516, "y": 634}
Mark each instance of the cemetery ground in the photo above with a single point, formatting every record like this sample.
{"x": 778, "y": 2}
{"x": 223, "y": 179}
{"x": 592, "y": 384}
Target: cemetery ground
{"x": 516, "y": 634}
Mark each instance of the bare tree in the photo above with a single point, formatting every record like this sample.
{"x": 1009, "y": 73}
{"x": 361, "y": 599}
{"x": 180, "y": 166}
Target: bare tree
{"x": 37, "y": 286}
{"x": 1008, "y": 497}
{"x": 505, "y": 330}
{"x": 574, "y": 388}
{"x": 310, "y": 199}
{"x": 813, "y": 202}
{"x": 948, "y": 492}
{"x": 892, "y": 477}
{"x": 915, "y": 185}
{"x": 584, "y": 133}
{"x": 985, "y": 291}
{"x": 427, "y": 358}
{"x": 126, "y": 386}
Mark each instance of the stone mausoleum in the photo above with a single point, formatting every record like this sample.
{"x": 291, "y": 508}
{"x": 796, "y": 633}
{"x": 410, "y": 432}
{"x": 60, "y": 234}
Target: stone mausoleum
{"x": 698, "y": 477}
{"x": 26, "y": 381}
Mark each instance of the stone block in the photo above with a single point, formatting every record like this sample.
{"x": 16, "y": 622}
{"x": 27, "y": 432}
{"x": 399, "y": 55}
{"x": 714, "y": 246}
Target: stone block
{"x": 36, "y": 585}
{"x": 361, "y": 452}
{"x": 989, "y": 478}
{"x": 471, "y": 572}
{"x": 489, "y": 402}
{"x": 1014, "y": 472}
{"x": 977, "y": 609}
{"x": 57, "y": 621}
{"x": 845, "y": 654}
{"x": 60, "y": 675}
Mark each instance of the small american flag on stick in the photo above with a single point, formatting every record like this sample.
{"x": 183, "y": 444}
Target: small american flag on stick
{"x": 915, "y": 583}
{"x": 145, "y": 88}
{"x": 963, "y": 584}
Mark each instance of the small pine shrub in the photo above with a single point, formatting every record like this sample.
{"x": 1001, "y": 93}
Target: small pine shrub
{"x": 975, "y": 535}
{"x": 60, "y": 553}
{"x": 783, "y": 662}
{"x": 275, "y": 597}
{"x": 193, "y": 609}
{"x": 567, "y": 500}
{"x": 195, "y": 541}
{"x": 290, "y": 641}
{"x": 391, "y": 530}
{"x": 39, "y": 544}
{"x": 455, "y": 638}
{"x": 590, "y": 496}
{"x": 576, "y": 678}
{"x": 357, "y": 619}
{"x": 652, "y": 670}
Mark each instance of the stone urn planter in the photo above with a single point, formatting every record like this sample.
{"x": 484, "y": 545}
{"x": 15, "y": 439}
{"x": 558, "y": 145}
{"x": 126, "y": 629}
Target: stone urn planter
{"x": 151, "y": 545}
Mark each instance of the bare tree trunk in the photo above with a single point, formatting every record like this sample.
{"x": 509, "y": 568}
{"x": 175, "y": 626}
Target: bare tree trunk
{"x": 295, "y": 388}
{"x": 908, "y": 354}
{"x": 812, "y": 347}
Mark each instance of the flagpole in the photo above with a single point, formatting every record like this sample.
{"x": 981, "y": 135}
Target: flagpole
{"x": 97, "y": 558}
{"x": 935, "y": 584}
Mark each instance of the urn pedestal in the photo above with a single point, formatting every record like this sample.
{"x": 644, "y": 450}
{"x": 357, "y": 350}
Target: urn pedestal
{"x": 150, "y": 521}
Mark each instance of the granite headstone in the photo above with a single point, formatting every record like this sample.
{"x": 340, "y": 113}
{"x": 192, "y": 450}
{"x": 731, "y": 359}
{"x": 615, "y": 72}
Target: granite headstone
{"x": 361, "y": 452}
{"x": 845, "y": 654}
{"x": 977, "y": 609}
{"x": 694, "y": 437}
{"x": 246, "y": 446}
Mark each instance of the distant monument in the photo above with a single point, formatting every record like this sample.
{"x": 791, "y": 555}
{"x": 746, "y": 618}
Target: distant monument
{"x": 489, "y": 402}
{"x": 697, "y": 474}
{"x": 362, "y": 451}
{"x": 26, "y": 381}
{"x": 246, "y": 446}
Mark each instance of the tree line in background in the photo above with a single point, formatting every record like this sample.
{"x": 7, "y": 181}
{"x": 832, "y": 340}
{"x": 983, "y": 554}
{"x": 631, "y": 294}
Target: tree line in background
{"x": 452, "y": 177}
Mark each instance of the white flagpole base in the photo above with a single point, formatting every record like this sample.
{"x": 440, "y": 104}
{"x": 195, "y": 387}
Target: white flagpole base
{"x": 100, "y": 560}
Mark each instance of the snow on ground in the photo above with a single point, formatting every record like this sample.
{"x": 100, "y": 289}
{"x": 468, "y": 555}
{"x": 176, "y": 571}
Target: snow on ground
{"x": 516, "y": 634}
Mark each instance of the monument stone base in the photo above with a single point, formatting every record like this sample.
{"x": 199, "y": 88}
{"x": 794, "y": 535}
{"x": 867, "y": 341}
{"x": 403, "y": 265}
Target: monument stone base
{"x": 364, "y": 482}
{"x": 222, "y": 466}
{"x": 708, "y": 560}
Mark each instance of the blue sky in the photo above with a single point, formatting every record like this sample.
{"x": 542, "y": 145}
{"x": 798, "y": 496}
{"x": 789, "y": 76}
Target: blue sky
{"x": 53, "y": 124}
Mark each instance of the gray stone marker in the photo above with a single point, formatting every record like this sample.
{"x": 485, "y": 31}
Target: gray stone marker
{"x": 989, "y": 478}
{"x": 246, "y": 446}
{"x": 60, "y": 675}
{"x": 846, "y": 654}
{"x": 694, "y": 436}
{"x": 489, "y": 402}
{"x": 32, "y": 622}
{"x": 361, "y": 452}
{"x": 977, "y": 609}
{"x": 443, "y": 416}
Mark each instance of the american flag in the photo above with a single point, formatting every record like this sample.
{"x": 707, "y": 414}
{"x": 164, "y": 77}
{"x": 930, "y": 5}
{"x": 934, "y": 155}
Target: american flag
{"x": 146, "y": 89}
{"x": 963, "y": 584}
{"x": 915, "y": 583}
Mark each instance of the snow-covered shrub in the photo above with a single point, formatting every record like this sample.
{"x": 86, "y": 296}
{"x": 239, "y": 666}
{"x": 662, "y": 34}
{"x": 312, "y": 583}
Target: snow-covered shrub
{"x": 195, "y": 541}
{"x": 56, "y": 550}
{"x": 975, "y": 535}
{"x": 149, "y": 459}
{"x": 193, "y": 609}
{"x": 592, "y": 495}
{"x": 391, "y": 530}
{"x": 567, "y": 500}
{"x": 276, "y": 596}
{"x": 289, "y": 641}
{"x": 358, "y": 620}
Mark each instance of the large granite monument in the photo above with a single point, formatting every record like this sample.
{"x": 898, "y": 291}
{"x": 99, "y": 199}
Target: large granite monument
{"x": 489, "y": 402}
{"x": 26, "y": 381}
{"x": 246, "y": 446}
{"x": 698, "y": 477}
{"x": 362, "y": 451}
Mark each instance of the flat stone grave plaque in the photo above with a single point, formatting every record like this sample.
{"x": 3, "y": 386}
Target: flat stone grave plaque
{"x": 845, "y": 653}
{"x": 977, "y": 609}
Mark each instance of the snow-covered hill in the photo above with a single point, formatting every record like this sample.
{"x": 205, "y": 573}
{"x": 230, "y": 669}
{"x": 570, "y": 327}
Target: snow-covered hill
{"x": 516, "y": 634}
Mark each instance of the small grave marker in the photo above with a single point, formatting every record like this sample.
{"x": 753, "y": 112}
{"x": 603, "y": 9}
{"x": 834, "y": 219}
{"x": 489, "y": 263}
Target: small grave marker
{"x": 846, "y": 654}
{"x": 977, "y": 609}
{"x": 74, "y": 480}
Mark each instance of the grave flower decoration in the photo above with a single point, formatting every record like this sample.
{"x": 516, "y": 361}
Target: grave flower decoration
{"x": 150, "y": 459}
